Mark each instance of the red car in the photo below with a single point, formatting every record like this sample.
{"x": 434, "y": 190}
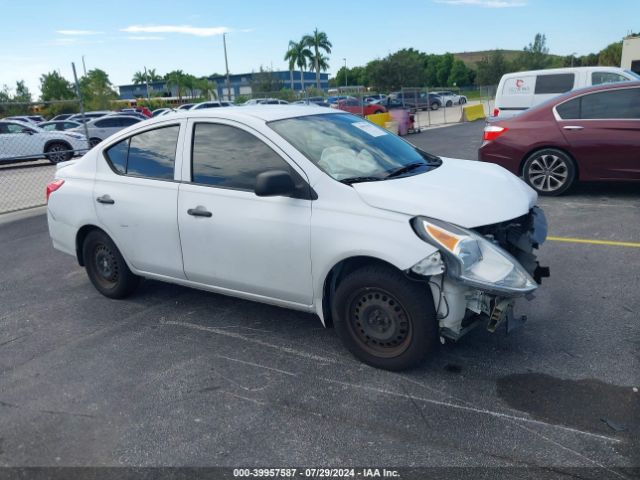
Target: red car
{"x": 586, "y": 135}
{"x": 355, "y": 106}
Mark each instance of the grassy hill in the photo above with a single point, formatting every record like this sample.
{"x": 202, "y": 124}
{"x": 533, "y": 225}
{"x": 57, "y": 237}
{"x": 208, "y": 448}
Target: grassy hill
{"x": 470, "y": 58}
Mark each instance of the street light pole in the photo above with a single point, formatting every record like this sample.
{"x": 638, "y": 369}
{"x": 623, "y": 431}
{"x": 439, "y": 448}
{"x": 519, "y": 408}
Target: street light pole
{"x": 226, "y": 64}
{"x": 84, "y": 67}
{"x": 146, "y": 80}
{"x": 345, "y": 72}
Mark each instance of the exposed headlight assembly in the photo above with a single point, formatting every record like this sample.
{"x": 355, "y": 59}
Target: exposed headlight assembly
{"x": 474, "y": 260}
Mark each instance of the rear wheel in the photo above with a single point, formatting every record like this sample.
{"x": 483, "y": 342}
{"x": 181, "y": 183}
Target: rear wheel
{"x": 385, "y": 319}
{"x": 449, "y": 103}
{"x": 435, "y": 106}
{"x": 106, "y": 267}
{"x": 549, "y": 171}
{"x": 94, "y": 141}
{"x": 463, "y": 101}
{"x": 58, "y": 152}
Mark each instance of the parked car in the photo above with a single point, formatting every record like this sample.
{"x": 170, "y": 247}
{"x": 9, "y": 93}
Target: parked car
{"x": 211, "y": 104}
{"x": 450, "y": 98}
{"x": 104, "y": 127}
{"x": 60, "y": 125}
{"x": 522, "y": 90}
{"x": 375, "y": 98}
{"x": 273, "y": 101}
{"x": 159, "y": 111}
{"x": 22, "y": 118}
{"x": 185, "y": 106}
{"x": 130, "y": 114}
{"x": 222, "y": 201}
{"x": 355, "y": 106}
{"x": 418, "y": 100}
{"x": 332, "y": 100}
{"x": 62, "y": 116}
{"x": 26, "y": 141}
{"x": 140, "y": 109}
{"x": 585, "y": 135}
{"x": 87, "y": 116}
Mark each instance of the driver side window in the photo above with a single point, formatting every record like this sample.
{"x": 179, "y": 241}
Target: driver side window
{"x": 15, "y": 128}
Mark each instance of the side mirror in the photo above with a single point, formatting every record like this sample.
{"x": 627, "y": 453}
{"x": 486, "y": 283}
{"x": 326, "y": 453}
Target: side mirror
{"x": 276, "y": 183}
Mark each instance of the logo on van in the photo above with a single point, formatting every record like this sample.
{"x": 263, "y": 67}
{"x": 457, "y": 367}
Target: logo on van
{"x": 519, "y": 83}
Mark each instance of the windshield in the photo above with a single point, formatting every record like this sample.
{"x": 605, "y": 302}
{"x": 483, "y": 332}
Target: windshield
{"x": 350, "y": 149}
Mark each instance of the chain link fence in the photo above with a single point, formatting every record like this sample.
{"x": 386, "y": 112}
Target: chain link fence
{"x": 30, "y": 145}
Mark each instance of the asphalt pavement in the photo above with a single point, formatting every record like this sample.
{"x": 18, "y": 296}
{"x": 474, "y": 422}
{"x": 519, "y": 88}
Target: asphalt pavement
{"x": 174, "y": 376}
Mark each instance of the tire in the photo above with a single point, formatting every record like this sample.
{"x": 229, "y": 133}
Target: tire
{"x": 549, "y": 172}
{"x": 463, "y": 101}
{"x": 378, "y": 111}
{"x": 384, "y": 319}
{"x": 435, "y": 106}
{"x": 106, "y": 267}
{"x": 57, "y": 152}
{"x": 449, "y": 103}
{"x": 94, "y": 141}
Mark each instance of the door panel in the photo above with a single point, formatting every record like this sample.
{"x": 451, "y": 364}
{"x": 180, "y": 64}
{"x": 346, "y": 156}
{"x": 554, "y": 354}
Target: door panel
{"x": 250, "y": 244}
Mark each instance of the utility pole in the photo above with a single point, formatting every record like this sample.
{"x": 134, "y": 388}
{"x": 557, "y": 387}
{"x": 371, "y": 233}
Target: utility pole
{"x": 226, "y": 64}
{"x": 345, "y": 72}
{"x": 84, "y": 67}
{"x": 146, "y": 80}
{"x": 75, "y": 79}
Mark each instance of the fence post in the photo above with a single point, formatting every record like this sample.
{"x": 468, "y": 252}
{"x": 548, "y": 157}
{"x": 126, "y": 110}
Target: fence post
{"x": 84, "y": 123}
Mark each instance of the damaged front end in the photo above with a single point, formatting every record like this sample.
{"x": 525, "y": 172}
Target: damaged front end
{"x": 477, "y": 274}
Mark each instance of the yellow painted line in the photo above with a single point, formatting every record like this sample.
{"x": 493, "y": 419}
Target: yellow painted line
{"x": 594, "y": 242}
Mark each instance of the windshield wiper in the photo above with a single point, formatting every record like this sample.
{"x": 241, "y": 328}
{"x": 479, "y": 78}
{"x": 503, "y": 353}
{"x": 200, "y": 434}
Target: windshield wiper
{"x": 406, "y": 168}
{"x": 352, "y": 180}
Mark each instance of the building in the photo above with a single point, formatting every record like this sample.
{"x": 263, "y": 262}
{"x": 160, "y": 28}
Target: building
{"x": 631, "y": 53}
{"x": 241, "y": 84}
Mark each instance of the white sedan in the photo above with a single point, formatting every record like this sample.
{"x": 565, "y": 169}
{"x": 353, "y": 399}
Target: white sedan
{"x": 306, "y": 208}
{"x": 451, "y": 98}
{"x": 26, "y": 141}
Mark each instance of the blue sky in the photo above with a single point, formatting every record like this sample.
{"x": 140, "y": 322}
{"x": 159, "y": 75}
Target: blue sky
{"x": 124, "y": 36}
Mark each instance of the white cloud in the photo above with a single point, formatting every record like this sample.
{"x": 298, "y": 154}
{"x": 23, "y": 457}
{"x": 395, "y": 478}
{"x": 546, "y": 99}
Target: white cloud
{"x": 77, "y": 32}
{"x": 486, "y": 3}
{"x": 184, "y": 29}
{"x": 143, "y": 38}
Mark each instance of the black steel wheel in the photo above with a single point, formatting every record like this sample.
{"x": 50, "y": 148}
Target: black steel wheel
{"x": 106, "y": 267}
{"x": 58, "y": 152}
{"x": 549, "y": 171}
{"x": 449, "y": 103}
{"x": 385, "y": 319}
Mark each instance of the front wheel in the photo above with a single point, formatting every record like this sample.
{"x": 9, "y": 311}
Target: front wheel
{"x": 58, "y": 152}
{"x": 106, "y": 267}
{"x": 462, "y": 101}
{"x": 435, "y": 106}
{"x": 384, "y": 319}
{"x": 549, "y": 171}
{"x": 93, "y": 142}
{"x": 449, "y": 103}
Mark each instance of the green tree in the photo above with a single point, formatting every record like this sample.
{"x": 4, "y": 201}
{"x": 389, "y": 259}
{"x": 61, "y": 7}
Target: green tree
{"x": 490, "y": 69}
{"x": 443, "y": 69}
{"x": 97, "y": 90}
{"x": 139, "y": 78}
{"x": 54, "y": 86}
{"x": 207, "y": 88}
{"x": 22, "y": 93}
{"x": 317, "y": 42}
{"x": 404, "y": 68}
{"x": 460, "y": 74}
{"x": 611, "y": 55}
{"x": 535, "y": 56}
{"x": 153, "y": 76}
{"x": 176, "y": 79}
{"x": 298, "y": 54}
{"x": 265, "y": 81}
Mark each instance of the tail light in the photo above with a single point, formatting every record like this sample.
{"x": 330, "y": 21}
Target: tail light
{"x": 53, "y": 186}
{"x": 496, "y": 112}
{"x": 491, "y": 132}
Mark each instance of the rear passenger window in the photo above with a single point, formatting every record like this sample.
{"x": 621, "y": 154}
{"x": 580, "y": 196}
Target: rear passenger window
{"x": 150, "y": 154}
{"x": 559, "y": 83}
{"x": 612, "y": 104}
{"x": 598, "y": 78}
{"x": 224, "y": 156}
{"x": 107, "y": 123}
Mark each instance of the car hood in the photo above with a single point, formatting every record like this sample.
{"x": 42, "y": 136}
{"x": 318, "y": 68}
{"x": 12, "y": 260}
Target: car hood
{"x": 463, "y": 192}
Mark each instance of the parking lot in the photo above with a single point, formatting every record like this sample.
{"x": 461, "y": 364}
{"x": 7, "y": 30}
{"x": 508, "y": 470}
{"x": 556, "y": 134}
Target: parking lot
{"x": 174, "y": 376}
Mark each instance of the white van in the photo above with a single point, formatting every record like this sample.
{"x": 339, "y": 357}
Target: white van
{"x": 522, "y": 90}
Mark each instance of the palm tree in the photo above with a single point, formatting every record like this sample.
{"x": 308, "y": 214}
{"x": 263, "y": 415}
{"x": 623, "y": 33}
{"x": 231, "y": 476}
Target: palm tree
{"x": 317, "y": 41}
{"x": 178, "y": 79}
{"x": 298, "y": 54}
{"x": 153, "y": 76}
{"x": 138, "y": 78}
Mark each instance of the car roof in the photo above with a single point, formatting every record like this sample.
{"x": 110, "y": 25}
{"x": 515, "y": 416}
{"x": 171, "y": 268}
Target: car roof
{"x": 550, "y": 71}
{"x": 266, "y": 113}
{"x": 597, "y": 88}
{"x": 93, "y": 120}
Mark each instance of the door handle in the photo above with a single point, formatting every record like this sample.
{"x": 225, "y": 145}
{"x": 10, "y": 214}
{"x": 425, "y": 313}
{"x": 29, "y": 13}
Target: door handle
{"x": 573, "y": 127}
{"x": 106, "y": 199}
{"x": 199, "y": 212}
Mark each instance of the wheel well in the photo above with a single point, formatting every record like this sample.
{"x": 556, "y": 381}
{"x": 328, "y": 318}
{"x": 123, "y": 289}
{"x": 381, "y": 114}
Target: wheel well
{"x": 549, "y": 147}
{"x": 80, "y": 236}
{"x": 62, "y": 142}
{"x": 335, "y": 276}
